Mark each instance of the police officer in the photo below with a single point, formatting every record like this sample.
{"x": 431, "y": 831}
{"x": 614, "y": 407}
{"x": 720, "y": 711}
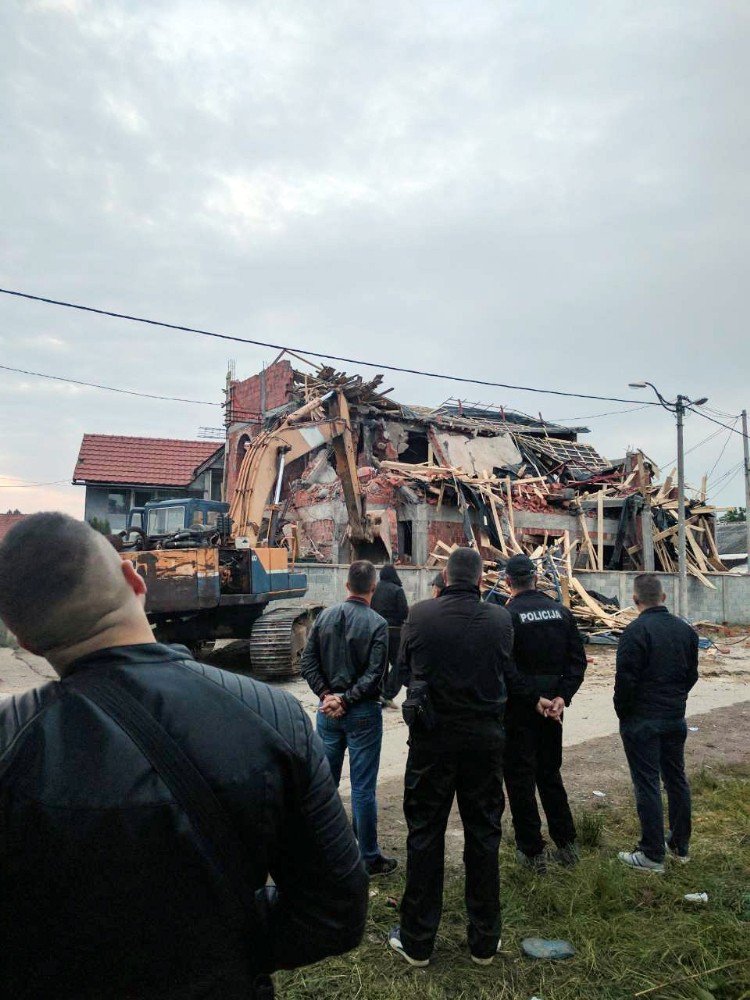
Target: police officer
{"x": 548, "y": 646}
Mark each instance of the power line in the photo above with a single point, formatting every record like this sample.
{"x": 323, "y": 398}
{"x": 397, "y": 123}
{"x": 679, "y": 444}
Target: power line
{"x": 718, "y": 422}
{"x": 108, "y": 388}
{"x": 592, "y": 416}
{"x": 726, "y": 474}
{"x": 705, "y": 440}
{"x": 315, "y": 354}
{"x": 721, "y": 453}
{"x": 722, "y": 483}
{"x": 26, "y": 485}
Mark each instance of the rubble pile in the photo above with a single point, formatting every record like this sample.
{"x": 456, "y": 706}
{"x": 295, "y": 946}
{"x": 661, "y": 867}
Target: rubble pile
{"x": 464, "y": 473}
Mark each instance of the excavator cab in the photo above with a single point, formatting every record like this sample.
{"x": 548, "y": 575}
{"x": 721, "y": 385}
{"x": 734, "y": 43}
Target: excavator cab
{"x": 167, "y": 518}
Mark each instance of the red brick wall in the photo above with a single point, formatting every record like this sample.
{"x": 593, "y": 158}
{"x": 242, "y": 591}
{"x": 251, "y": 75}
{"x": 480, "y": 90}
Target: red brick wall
{"x": 245, "y": 396}
{"x": 450, "y": 532}
{"x": 322, "y": 534}
{"x": 245, "y": 408}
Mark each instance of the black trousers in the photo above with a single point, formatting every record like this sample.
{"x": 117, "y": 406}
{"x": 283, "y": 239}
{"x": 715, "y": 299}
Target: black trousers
{"x": 533, "y": 757}
{"x": 655, "y": 748}
{"x": 393, "y": 681}
{"x": 475, "y": 777}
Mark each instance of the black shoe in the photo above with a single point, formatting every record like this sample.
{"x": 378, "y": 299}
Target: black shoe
{"x": 536, "y": 862}
{"x": 381, "y": 866}
{"x": 567, "y": 856}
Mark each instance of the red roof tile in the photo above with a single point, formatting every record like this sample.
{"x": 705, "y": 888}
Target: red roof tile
{"x": 7, "y": 521}
{"x": 140, "y": 461}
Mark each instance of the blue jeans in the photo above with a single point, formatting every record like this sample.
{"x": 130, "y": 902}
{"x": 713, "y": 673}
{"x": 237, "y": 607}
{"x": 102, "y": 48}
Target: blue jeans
{"x": 655, "y": 748}
{"x": 361, "y": 732}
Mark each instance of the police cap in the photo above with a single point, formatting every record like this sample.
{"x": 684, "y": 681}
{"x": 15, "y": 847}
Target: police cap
{"x": 520, "y": 566}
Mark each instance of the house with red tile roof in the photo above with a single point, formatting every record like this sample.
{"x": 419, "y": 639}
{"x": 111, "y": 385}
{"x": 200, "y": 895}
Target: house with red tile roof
{"x": 122, "y": 472}
{"x": 8, "y": 520}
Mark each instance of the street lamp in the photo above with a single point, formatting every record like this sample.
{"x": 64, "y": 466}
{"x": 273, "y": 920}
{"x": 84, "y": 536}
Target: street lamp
{"x": 678, "y": 407}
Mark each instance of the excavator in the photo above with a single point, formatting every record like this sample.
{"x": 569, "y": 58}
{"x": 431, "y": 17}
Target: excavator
{"x": 213, "y": 568}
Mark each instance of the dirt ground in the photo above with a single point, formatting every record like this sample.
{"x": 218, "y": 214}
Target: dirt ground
{"x": 718, "y": 737}
{"x": 594, "y": 760}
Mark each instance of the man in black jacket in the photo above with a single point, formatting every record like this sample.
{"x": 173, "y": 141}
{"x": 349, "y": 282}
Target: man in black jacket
{"x": 458, "y": 653}
{"x": 344, "y": 663}
{"x": 109, "y": 889}
{"x": 548, "y": 647}
{"x": 657, "y": 665}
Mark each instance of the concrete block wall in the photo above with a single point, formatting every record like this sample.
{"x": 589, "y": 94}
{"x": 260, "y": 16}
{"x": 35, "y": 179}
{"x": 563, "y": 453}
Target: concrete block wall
{"x": 730, "y": 602}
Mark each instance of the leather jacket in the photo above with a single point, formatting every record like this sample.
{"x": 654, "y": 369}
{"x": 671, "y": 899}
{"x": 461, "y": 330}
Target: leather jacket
{"x": 347, "y": 652}
{"x": 106, "y": 891}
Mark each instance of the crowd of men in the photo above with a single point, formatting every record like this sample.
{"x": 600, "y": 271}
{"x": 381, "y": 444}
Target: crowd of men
{"x": 168, "y": 829}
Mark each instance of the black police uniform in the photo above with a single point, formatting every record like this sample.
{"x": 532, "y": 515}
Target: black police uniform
{"x": 547, "y": 646}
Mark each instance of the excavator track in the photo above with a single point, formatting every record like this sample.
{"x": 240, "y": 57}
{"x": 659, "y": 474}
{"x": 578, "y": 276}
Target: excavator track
{"x": 274, "y": 650}
{"x": 278, "y": 641}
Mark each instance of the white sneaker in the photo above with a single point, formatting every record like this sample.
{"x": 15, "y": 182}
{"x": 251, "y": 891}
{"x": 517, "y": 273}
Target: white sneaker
{"x": 394, "y": 940}
{"x": 638, "y": 861}
{"x": 487, "y": 961}
{"x": 682, "y": 859}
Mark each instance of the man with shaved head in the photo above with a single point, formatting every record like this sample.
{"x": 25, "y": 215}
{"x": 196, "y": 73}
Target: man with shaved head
{"x": 145, "y": 799}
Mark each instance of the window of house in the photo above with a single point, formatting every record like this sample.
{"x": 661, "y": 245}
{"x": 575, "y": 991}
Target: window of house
{"x": 216, "y": 480}
{"x": 117, "y": 502}
{"x": 142, "y": 497}
{"x": 242, "y": 446}
{"x": 416, "y": 448}
{"x": 405, "y": 543}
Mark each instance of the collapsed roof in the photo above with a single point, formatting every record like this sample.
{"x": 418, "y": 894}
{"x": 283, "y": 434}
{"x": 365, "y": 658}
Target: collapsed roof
{"x": 483, "y": 475}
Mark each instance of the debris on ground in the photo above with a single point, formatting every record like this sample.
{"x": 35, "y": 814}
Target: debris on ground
{"x": 555, "y": 949}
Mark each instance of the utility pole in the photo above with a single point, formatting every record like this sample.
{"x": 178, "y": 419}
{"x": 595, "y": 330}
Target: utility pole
{"x": 678, "y": 407}
{"x": 747, "y": 484}
{"x": 682, "y": 601}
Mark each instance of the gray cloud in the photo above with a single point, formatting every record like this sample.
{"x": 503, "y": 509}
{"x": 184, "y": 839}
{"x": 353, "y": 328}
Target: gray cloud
{"x": 547, "y": 194}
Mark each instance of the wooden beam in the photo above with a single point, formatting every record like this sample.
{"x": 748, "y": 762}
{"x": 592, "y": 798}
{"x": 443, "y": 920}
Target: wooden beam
{"x": 700, "y": 557}
{"x": 697, "y": 573}
{"x": 566, "y": 552}
{"x": 590, "y": 554}
{"x": 600, "y": 531}
{"x": 589, "y": 601}
{"x": 511, "y": 521}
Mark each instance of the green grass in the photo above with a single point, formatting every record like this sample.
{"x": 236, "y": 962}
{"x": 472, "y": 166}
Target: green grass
{"x": 632, "y": 931}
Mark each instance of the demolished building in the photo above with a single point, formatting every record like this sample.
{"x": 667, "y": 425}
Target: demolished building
{"x": 430, "y": 479}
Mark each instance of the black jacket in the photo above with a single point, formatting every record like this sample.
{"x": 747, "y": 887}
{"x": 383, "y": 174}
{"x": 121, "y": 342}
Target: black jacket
{"x": 462, "y": 647}
{"x": 347, "y": 652}
{"x": 104, "y": 889}
{"x": 657, "y": 665}
{"x": 547, "y": 644}
{"x": 389, "y": 600}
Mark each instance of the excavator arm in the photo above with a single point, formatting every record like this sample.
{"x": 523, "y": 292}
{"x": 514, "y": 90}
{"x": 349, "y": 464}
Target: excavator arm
{"x": 324, "y": 420}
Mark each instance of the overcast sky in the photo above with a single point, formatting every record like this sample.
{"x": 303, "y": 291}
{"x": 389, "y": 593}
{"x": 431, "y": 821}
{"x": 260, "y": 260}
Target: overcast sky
{"x": 551, "y": 194}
